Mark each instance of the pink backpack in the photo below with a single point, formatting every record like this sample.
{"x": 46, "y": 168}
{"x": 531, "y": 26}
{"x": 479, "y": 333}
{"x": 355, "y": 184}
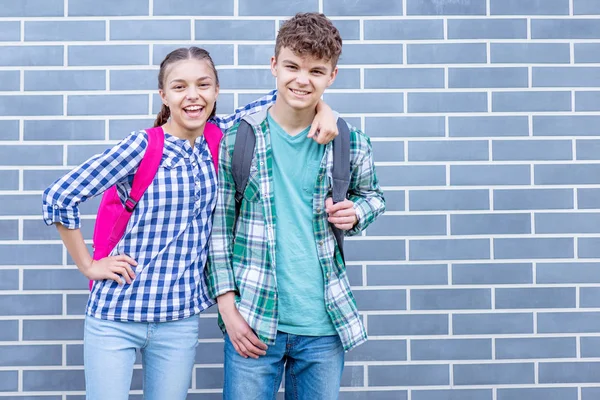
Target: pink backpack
{"x": 112, "y": 217}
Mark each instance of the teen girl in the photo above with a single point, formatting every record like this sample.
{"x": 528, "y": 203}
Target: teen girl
{"x": 148, "y": 293}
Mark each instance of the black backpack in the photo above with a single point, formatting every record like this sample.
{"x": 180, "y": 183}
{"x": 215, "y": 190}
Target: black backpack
{"x": 243, "y": 152}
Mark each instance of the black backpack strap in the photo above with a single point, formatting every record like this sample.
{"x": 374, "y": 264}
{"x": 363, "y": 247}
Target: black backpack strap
{"x": 341, "y": 173}
{"x": 243, "y": 151}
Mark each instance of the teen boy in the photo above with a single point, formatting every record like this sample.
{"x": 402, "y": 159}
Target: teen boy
{"x": 275, "y": 268}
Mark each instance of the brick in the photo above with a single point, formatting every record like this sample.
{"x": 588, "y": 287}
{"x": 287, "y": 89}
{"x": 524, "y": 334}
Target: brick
{"x": 74, "y": 354}
{"x": 193, "y": 8}
{"x": 23, "y": 355}
{"x": 405, "y": 126}
{"x": 532, "y": 199}
{"x": 21, "y": 205}
{"x": 109, "y": 104}
{"x": 235, "y": 30}
{"x": 9, "y": 330}
{"x": 43, "y": 304}
{"x": 409, "y": 375}
{"x": 361, "y": 7}
{"x": 449, "y": 249}
{"x": 379, "y": 350}
{"x": 450, "y": 299}
{"x": 404, "y": 275}
{"x": 374, "y": 250}
{"x": 354, "y": 273}
{"x": 529, "y": 7}
{"x": 565, "y": 28}
{"x": 210, "y": 353}
{"x": 33, "y": 154}
{"x": 40, "y": 180}
{"x": 451, "y": 349}
{"x": 53, "y": 279}
{"x": 408, "y": 225}
{"x": 9, "y": 279}
{"x": 566, "y": 77}
{"x": 107, "y": 55}
{"x": 374, "y": 300}
{"x": 492, "y": 274}
{"x": 248, "y": 79}
{"x": 447, "y": 102}
{"x": 448, "y": 150}
{"x": 534, "y": 150}
{"x": 586, "y": 53}
{"x": 251, "y": 54}
{"x": 588, "y": 198}
{"x": 590, "y": 393}
{"x": 530, "y": 53}
{"x": 452, "y": 394}
{"x": 349, "y": 29}
{"x": 9, "y": 130}
{"x": 365, "y": 102}
{"x": 554, "y": 393}
{"x": 119, "y": 128}
{"x": 9, "y": 180}
{"x": 370, "y": 395}
{"x": 78, "y": 154}
{"x": 53, "y": 329}
{"x": 221, "y": 54}
{"x": 487, "y": 28}
{"x": 133, "y": 80}
{"x": 28, "y": 254}
{"x": 589, "y": 347}
{"x": 490, "y": 224}
{"x": 433, "y": 7}
{"x": 587, "y": 101}
{"x": 446, "y": 53}
{"x": 475, "y": 126}
{"x": 275, "y": 8}
{"x": 410, "y": 325}
{"x": 63, "y": 130}
{"x": 32, "y": 8}
{"x": 589, "y": 297}
{"x": 9, "y": 229}
{"x": 585, "y": 7}
{"x": 569, "y": 372}
{"x": 9, "y": 381}
{"x": 494, "y": 374}
{"x": 535, "y": 298}
{"x": 209, "y": 378}
{"x": 568, "y": 322}
{"x": 353, "y": 376}
{"x": 561, "y": 174}
{"x": 76, "y": 304}
{"x": 531, "y": 101}
{"x": 41, "y": 31}
{"x": 504, "y": 77}
{"x": 394, "y": 200}
{"x": 567, "y": 222}
{"x": 448, "y": 199}
{"x": 388, "y": 151}
{"x": 150, "y": 30}
{"x": 568, "y": 272}
{"x": 53, "y": 380}
{"x": 497, "y": 323}
{"x": 31, "y": 56}
{"x": 117, "y": 8}
{"x": 587, "y": 149}
{"x": 421, "y": 29}
{"x": 513, "y": 248}
{"x": 30, "y": 105}
{"x": 9, "y": 81}
{"x": 404, "y": 78}
{"x": 489, "y": 175}
{"x": 65, "y": 80}
{"x": 370, "y": 54}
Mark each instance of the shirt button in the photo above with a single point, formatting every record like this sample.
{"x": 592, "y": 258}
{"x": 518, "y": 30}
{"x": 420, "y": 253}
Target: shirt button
{"x": 319, "y": 210}
{"x": 261, "y": 163}
{"x": 56, "y": 206}
{"x": 331, "y": 306}
{"x": 320, "y": 243}
{"x": 320, "y": 178}
{"x": 327, "y": 275}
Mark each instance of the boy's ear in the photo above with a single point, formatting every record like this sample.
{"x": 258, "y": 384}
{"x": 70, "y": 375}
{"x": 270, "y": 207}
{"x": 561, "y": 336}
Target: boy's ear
{"x": 274, "y": 66}
{"x": 332, "y": 77}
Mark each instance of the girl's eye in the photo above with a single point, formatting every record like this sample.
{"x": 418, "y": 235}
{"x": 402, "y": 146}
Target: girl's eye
{"x": 178, "y": 87}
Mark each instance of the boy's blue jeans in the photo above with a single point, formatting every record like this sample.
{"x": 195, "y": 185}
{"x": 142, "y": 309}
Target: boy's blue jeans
{"x": 313, "y": 369}
{"x": 168, "y": 353}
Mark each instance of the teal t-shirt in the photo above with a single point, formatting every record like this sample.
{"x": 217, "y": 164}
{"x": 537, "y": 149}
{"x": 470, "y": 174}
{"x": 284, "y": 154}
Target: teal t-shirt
{"x": 300, "y": 283}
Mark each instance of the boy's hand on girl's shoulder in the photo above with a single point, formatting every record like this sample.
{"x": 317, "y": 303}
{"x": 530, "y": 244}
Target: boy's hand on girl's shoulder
{"x": 116, "y": 268}
{"x": 342, "y": 215}
{"x": 245, "y": 342}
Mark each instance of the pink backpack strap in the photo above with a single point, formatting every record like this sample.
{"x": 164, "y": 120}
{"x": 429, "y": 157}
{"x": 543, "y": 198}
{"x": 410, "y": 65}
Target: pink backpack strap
{"x": 213, "y": 136}
{"x": 141, "y": 180}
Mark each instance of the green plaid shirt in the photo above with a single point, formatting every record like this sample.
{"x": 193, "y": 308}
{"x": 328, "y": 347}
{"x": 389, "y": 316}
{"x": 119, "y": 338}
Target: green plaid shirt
{"x": 242, "y": 252}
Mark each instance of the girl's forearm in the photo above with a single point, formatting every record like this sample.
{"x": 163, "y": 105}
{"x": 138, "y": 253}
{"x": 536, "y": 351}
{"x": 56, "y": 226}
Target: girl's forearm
{"x": 73, "y": 240}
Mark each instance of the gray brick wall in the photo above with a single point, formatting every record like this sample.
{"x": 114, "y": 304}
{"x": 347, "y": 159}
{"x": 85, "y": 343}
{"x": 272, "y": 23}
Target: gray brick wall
{"x": 482, "y": 280}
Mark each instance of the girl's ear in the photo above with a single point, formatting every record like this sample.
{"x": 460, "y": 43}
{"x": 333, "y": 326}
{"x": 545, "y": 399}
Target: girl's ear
{"x": 162, "y": 96}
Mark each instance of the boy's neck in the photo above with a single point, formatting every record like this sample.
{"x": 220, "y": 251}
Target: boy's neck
{"x": 291, "y": 120}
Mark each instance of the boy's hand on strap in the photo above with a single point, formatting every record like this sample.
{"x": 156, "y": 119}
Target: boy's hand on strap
{"x": 342, "y": 215}
{"x": 245, "y": 342}
{"x": 324, "y": 127}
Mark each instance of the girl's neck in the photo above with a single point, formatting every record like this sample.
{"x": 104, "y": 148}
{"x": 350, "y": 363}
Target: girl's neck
{"x": 184, "y": 134}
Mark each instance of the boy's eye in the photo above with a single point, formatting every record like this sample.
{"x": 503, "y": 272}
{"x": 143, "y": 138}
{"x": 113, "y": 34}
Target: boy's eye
{"x": 291, "y": 67}
{"x": 317, "y": 72}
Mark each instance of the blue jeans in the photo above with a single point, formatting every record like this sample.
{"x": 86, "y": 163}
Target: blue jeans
{"x": 313, "y": 369}
{"x": 168, "y": 352}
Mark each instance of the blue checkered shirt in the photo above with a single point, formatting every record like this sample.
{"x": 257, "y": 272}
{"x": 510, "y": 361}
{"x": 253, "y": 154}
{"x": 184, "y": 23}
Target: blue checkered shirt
{"x": 169, "y": 229}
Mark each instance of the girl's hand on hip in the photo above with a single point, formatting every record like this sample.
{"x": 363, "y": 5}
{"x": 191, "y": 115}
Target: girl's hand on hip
{"x": 116, "y": 268}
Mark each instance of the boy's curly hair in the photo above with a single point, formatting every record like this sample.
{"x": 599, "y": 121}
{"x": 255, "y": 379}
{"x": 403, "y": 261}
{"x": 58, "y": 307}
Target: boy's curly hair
{"x": 310, "y": 34}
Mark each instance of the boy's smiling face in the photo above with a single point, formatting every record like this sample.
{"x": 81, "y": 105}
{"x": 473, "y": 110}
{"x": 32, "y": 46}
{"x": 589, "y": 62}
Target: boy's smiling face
{"x": 301, "y": 80}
